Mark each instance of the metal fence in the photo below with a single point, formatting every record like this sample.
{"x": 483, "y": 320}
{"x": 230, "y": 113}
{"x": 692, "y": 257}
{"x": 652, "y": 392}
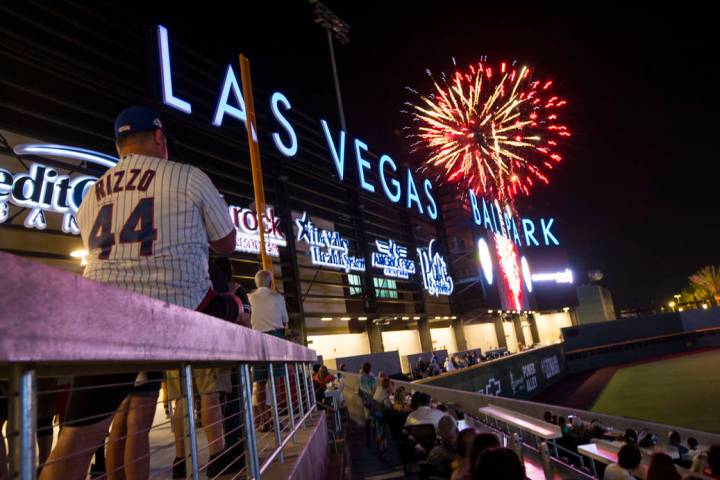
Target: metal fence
{"x": 140, "y": 388}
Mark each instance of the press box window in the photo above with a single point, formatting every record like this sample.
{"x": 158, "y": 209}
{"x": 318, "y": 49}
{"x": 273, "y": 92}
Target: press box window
{"x": 355, "y": 284}
{"x": 385, "y": 288}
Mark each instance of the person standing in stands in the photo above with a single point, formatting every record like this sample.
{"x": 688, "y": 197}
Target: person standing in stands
{"x": 368, "y": 382}
{"x": 380, "y": 410}
{"x": 147, "y": 224}
{"x": 232, "y": 423}
{"x": 212, "y": 385}
{"x": 269, "y": 315}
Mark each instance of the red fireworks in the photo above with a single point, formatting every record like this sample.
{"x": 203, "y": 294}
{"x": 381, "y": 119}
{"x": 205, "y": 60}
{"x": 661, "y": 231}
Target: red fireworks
{"x": 491, "y": 128}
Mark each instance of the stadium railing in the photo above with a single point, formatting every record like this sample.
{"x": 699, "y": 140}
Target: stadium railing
{"x": 55, "y": 325}
{"x": 528, "y": 440}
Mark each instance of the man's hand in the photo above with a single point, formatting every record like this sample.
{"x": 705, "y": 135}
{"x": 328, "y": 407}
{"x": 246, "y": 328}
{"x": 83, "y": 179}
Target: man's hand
{"x": 243, "y": 317}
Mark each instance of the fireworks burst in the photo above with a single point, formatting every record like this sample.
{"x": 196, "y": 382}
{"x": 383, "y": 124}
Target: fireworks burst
{"x": 490, "y": 128}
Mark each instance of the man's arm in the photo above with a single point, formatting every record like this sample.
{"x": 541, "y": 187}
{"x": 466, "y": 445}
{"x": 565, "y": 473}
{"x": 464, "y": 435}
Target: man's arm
{"x": 214, "y": 212}
{"x": 226, "y": 245}
{"x": 243, "y": 317}
{"x": 284, "y": 313}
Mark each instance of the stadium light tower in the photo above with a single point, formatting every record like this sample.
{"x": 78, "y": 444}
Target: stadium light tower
{"x": 336, "y": 28}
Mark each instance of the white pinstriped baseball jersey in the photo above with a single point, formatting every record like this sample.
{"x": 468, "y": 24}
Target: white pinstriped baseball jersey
{"x": 146, "y": 225}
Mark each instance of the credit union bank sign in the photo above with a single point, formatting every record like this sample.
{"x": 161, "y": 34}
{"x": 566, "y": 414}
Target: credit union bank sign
{"x": 43, "y": 189}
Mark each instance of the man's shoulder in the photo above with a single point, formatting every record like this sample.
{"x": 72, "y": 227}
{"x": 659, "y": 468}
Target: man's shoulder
{"x": 158, "y": 164}
{"x": 265, "y": 292}
{"x": 615, "y": 472}
{"x": 182, "y": 168}
{"x": 437, "y": 413}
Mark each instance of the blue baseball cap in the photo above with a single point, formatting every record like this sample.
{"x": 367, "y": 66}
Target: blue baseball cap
{"x": 137, "y": 119}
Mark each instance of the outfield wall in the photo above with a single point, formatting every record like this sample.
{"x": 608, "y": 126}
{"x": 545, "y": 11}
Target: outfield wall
{"x": 635, "y": 339}
{"x": 521, "y": 375}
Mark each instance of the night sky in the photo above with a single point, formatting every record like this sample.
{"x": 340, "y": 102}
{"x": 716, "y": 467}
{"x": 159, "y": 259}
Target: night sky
{"x": 636, "y": 195}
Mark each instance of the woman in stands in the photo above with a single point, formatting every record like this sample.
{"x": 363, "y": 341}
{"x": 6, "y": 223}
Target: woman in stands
{"x": 481, "y": 442}
{"x": 381, "y": 407}
{"x": 662, "y": 468}
{"x": 629, "y": 458}
{"x": 461, "y": 465}
{"x": 499, "y": 464}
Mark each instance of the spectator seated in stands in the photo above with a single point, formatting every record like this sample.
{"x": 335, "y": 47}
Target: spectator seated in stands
{"x": 629, "y": 458}
{"x": 647, "y": 440}
{"x": 597, "y": 430}
{"x": 315, "y": 369}
{"x": 461, "y": 464}
{"x": 564, "y": 427}
{"x": 449, "y": 365}
{"x": 631, "y": 436}
{"x": 398, "y": 403}
{"x": 444, "y": 453}
{"x": 579, "y": 432}
{"x": 320, "y": 380}
{"x": 424, "y": 414}
{"x": 456, "y": 362}
{"x": 662, "y": 468}
{"x": 480, "y": 443}
{"x": 713, "y": 462}
{"x": 499, "y": 464}
{"x": 693, "y": 447}
{"x": 675, "y": 442}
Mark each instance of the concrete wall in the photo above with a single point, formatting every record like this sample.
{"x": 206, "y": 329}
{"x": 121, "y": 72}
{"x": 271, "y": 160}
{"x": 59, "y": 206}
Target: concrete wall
{"x": 518, "y": 376}
{"x": 595, "y": 304}
{"x": 404, "y": 341}
{"x": 481, "y": 335}
{"x": 387, "y": 362}
{"x": 697, "y": 319}
{"x": 411, "y": 360}
{"x": 618, "y": 331}
{"x": 511, "y": 337}
{"x": 641, "y": 334}
{"x": 340, "y": 345}
{"x": 443, "y": 339}
{"x": 549, "y": 326}
{"x": 640, "y": 351}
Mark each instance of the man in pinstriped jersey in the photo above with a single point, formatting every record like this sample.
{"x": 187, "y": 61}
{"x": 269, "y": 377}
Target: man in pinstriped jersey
{"x": 147, "y": 224}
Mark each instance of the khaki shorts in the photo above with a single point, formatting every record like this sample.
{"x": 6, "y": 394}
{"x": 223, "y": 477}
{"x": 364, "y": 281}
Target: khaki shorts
{"x": 205, "y": 380}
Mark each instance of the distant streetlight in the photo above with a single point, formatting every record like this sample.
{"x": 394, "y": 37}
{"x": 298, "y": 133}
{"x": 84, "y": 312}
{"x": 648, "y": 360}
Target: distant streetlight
{"x": 672, "y": 305}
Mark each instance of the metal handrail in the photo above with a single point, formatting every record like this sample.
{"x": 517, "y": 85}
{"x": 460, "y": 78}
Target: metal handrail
{"x": 470, "y": 402}
{"x": 54, "y": 322}
{"x": 51, "y": 316}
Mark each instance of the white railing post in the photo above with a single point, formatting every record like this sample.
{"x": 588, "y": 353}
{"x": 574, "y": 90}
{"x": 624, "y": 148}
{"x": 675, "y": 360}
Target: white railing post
{"x": 253, "y": 460}
{"x": 299, "y": 395}
{"x": 291, "y": 407}
{"x": 189, "y": 421}
{"x": 276, "y": 413}
{"x": 23, "y": 405}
